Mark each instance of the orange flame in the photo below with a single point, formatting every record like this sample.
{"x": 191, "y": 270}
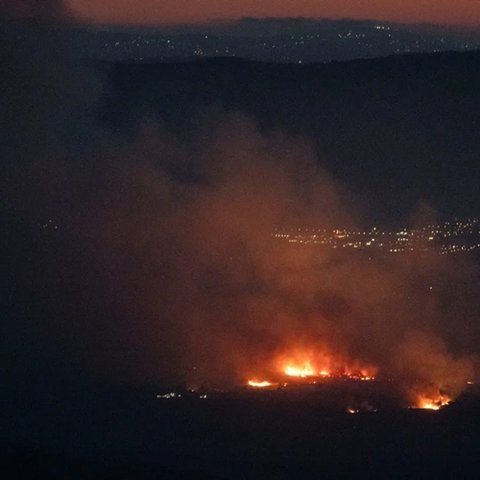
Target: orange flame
{"x": 310, "y": 364}
{"x": 302, "y": 371}
{"x": 260, "y": 384}
{"x": 305, "y": 363}
{"x": 432, "y": 402}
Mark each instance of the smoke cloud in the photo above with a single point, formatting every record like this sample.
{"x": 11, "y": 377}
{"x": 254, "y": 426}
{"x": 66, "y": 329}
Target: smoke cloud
{"x": 150, "y": 259}
{"x": 207, "y": 295}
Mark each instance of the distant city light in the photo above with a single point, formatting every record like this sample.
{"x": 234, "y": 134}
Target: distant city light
{"x": 446, "y": 238}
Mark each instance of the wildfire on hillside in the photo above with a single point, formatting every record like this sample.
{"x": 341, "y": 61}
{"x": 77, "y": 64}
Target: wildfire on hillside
{"x": 312, "y": 364}
{"x": 431, "y": 399}
{"x": 308, "y": 366}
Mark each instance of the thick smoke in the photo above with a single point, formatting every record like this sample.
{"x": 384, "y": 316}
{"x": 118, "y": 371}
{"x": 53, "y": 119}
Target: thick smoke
{"x": 206, "y": 295}
{"x": 151, "y": 259}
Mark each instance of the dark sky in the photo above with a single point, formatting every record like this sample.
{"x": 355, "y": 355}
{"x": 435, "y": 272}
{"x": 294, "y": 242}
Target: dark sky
{"x": 174, "y": 11}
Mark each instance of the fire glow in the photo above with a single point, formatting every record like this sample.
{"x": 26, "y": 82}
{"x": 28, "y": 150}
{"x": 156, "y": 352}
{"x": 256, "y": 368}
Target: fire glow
{"x": 310, "y": 365}
{"x": 427, "y": 403}
{"x": 302, "y": 371}
{"x": 260, "y": 384}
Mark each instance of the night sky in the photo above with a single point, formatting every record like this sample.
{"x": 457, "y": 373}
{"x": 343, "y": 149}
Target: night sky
{"x": 178, "y": 11}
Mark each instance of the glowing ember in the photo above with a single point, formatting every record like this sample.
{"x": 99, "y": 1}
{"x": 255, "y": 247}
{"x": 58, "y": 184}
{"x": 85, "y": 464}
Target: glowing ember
{"x": 302, "y": 371}
{"x": 262, "y": 384}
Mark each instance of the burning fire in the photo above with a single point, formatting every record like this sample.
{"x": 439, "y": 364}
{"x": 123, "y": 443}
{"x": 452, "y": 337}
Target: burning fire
{"x": 435, "y": 402}
{"x": 311, "y": 365}
{"x": 260, "y": 384}
{"x": 301, "y": 371}
{"x": 298, "y": 365}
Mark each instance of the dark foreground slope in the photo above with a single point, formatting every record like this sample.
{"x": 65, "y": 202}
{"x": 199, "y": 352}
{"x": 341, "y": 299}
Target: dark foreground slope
{"x": 122, "y": 434}
{"x": 399, "y": 130}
